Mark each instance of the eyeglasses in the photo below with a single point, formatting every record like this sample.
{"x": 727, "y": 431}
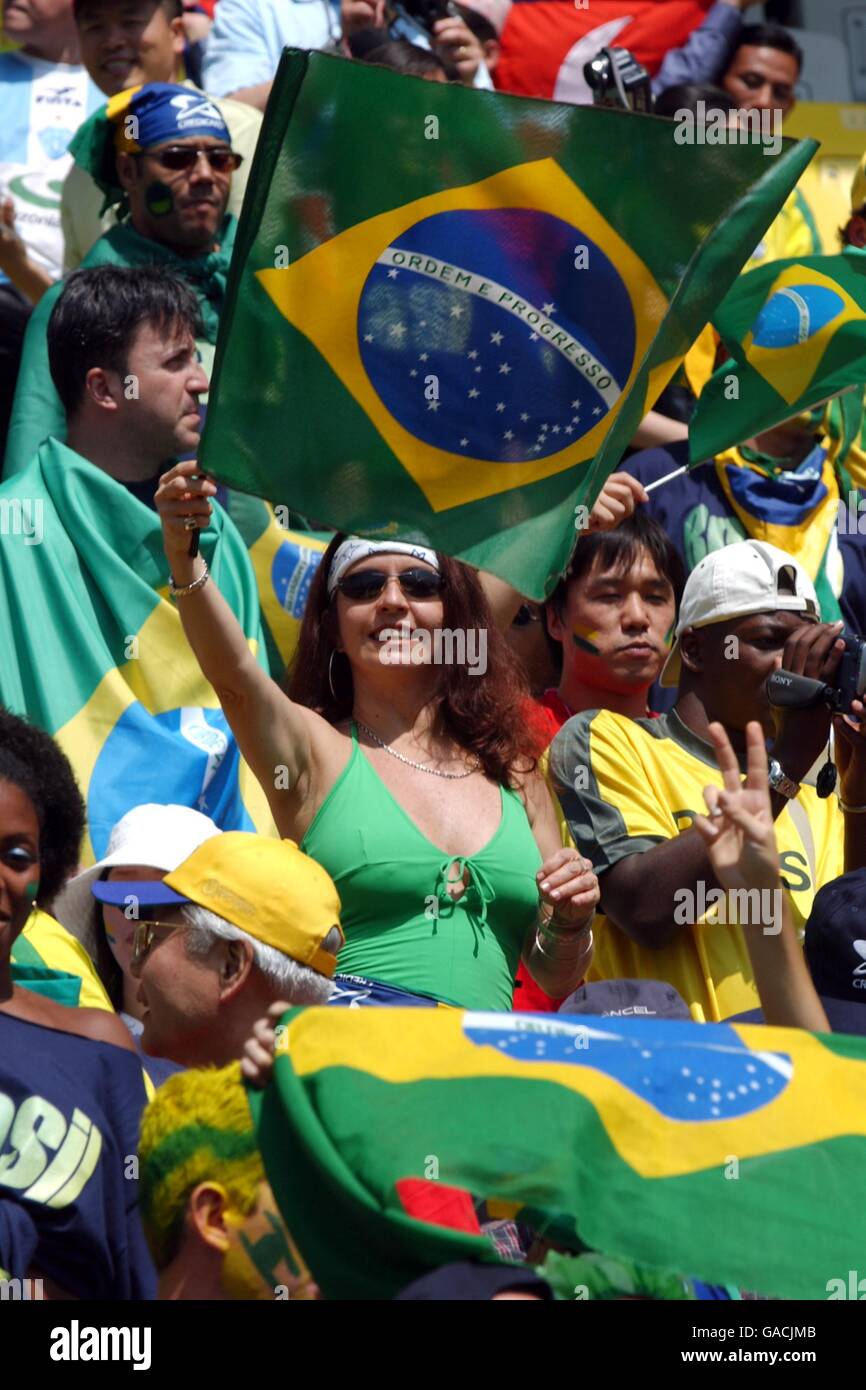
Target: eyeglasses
{"x": 143, "y": 935}
{"x": 185, "y": 157}
{"x": 369, "y": 584}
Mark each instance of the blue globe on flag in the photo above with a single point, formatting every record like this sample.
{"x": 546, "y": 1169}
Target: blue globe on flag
{"x": 794, "y": 315}
{"x": 504, "y": 334}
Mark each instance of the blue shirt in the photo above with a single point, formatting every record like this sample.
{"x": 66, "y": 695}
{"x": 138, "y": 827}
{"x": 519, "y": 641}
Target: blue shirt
{"x": 69, "y": 1117}
{"x": 248, "y": 37}
{"x": 42, "y": 106}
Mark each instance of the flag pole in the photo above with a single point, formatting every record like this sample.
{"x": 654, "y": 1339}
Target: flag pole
{"x": 677, "y": 473}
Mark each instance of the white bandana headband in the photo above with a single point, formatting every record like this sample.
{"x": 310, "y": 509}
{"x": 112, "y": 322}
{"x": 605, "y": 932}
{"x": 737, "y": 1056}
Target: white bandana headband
{"x": 354, "y": 549}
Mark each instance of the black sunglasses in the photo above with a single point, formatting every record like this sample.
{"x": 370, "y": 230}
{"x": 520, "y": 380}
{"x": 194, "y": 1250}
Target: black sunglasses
{"x": 368, "y": 584}
{"x": 185, "y": 157}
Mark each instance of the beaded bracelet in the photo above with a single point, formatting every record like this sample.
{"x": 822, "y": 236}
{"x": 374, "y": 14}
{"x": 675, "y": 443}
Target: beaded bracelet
{"x": 181, "y": 590}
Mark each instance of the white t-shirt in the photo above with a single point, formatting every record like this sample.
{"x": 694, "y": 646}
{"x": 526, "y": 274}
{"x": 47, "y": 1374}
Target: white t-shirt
{"x": 42, "y": 106}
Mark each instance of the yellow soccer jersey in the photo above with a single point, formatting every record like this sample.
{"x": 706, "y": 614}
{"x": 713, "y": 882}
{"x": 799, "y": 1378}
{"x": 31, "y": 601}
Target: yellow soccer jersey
{"x": 629, "y": 784}
{"x": 793, "y": 233}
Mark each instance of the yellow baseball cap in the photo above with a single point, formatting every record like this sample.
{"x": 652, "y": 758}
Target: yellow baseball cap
{"x": 268, "y": 888}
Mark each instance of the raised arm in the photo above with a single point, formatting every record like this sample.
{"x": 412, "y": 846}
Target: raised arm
{"x": 558, "y": 948}
{"x": 272, "y": 732}
{"x": 740, "y": 840}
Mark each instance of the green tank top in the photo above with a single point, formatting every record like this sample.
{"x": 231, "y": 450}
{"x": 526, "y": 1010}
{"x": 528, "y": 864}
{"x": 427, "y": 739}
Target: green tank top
{"x": 402, "y": 926}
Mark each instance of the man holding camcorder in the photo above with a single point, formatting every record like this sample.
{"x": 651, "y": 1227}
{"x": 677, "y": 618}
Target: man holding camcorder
{"x": 631, "y": 788}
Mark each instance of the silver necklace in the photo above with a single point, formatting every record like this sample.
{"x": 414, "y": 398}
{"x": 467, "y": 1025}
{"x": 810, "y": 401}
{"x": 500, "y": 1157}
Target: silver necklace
{"x": 422, "y": 767}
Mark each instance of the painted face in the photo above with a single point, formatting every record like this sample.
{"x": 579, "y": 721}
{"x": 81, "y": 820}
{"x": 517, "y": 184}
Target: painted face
{"x": 169, "y": 379}
{"x": 119, "y": 927}
{"x": 181, "y": 208}
{"x": 125, "y": 43}
{"x": 262, "y": 1261}
{"x": 362, "y": 620}
{"x": 615, "y": 626}
{"x": 762, "y": 79}
{"x": 19, "y": 861}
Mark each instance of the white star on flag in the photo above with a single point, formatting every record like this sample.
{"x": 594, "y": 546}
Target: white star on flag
{"x": 472, "y": 355}
{"x": 368, "y": 337}
{"x": 597, "y": 410}
{"x": 413, "y": 372}
{"x": 397, "y": 330}
{"x": 500, "y": 405}
{"x": 463, "y": 443}
{"x": 508, "y": 434}
{"x": 504, "y": 369}
{"x": 548, "y": 308}
{"x": 432, "y": 405}
{"x": 473, "y": 393}
{"x": 524, "y": 416}
{"x": 575, "y": 405}
{"x": 456, "y": 311}
{"x": 392, "y": 274}
{"x": 496, "y": 338}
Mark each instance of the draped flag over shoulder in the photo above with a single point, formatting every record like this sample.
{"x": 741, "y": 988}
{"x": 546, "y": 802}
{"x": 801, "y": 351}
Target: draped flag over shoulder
{"x": 796, "y": 331}
{"x": 446, "y": 319}
{"x": 610, "y": 1134}
{"x": 93, "y": 650}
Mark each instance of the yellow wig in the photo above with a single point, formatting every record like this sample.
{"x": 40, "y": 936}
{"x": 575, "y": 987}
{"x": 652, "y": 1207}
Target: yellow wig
{"x": 197, "y": 1129}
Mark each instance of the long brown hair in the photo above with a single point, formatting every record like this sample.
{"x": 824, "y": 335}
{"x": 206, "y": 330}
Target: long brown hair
{"x": 483, "y": 714}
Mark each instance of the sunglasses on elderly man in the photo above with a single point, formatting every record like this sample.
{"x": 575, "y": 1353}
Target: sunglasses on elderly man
{"x": 369, "y": 584}
{"x": 179, "y": 158}
{"x": 143, "y": 937}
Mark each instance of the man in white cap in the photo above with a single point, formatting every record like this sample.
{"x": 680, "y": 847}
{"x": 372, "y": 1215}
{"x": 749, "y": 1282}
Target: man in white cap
{"x": 631, "y": 788}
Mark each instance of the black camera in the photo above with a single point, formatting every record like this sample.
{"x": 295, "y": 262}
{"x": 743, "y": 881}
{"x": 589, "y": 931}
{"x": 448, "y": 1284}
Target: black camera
{"x": 788, "y": 691}
{"x": 617, "y": 79}
{"x": 425, "y": 13}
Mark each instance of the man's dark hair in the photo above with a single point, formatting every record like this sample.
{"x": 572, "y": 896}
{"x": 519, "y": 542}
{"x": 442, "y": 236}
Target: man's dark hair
{"x": 32, "y": 761}
{"x": 173, "y": 8}
{"x": 398, "y": 54}
{"x": 99, "y": 313}
{"x": 770, "y": 36}
{"x": 618, "y": 550}
{"x": 684, "y": 96}
{"x": 478, "y": 24}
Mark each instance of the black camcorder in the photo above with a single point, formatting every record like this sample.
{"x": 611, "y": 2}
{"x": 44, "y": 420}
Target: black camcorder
{"x": 617, "y": 79}
{"x": 785, "y": 690}
{"x": 425, "y": 13}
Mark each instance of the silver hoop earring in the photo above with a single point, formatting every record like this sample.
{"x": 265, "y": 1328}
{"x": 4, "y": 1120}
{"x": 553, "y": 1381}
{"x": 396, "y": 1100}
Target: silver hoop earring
{"x": 331, "y": 673}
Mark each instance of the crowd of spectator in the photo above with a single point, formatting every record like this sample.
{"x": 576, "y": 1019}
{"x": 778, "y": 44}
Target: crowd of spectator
{"x": 540, "y": 835}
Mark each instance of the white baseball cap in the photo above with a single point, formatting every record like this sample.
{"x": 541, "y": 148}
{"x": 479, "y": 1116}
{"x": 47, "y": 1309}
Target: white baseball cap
{"x": 746, "y": 577}
{"x": 152, "y": 836}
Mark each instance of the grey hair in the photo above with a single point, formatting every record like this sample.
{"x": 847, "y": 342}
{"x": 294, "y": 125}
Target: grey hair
{"x": 296, "y": 983}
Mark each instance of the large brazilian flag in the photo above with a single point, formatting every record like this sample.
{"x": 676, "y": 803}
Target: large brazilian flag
{"x": 726, "y": 1153}
{"x": 92, "y": 649}
{"x": 449, "y": 309}
{"x": 796, "y": 331}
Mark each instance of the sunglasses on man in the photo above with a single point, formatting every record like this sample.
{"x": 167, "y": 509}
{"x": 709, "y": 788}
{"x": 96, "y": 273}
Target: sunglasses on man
{"x": 182, "y": 158}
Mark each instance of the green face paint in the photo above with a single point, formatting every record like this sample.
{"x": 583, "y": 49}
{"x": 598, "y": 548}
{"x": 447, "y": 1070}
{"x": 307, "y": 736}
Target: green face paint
{"x": 158, "y": 199}
{"x": 582, "y": 637}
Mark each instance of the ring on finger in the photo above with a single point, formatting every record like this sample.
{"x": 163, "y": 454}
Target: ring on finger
{"x": 190, "y": 524}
